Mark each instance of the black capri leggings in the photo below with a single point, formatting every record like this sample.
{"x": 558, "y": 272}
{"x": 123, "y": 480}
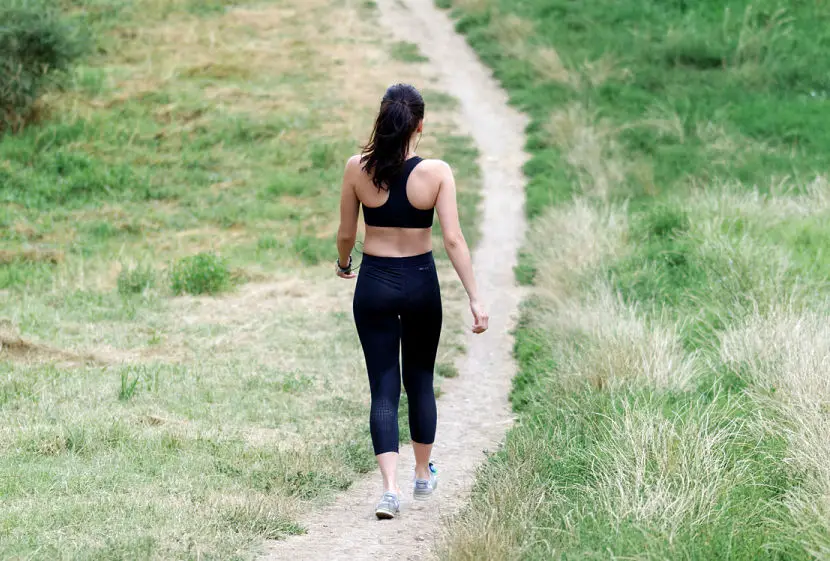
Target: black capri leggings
{"x": 397, "y": 310}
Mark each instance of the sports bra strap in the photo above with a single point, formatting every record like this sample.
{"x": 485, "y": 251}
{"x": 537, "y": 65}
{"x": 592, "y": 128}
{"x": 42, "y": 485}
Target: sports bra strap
{"x": 397, "y": 211}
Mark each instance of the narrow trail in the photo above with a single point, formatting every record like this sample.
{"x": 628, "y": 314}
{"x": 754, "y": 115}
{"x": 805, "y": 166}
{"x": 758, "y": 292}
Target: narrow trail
{"x": 473, "y": 412}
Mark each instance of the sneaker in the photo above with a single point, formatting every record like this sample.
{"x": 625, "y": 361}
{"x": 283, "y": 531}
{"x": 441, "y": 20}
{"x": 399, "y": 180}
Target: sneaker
{"x": 425, "y": 487}
{"x": 388, "y": 507}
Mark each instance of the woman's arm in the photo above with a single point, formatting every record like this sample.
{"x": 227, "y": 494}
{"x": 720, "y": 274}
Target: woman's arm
{"x": 349, "y": 212}
{"x": 456, "y": 246}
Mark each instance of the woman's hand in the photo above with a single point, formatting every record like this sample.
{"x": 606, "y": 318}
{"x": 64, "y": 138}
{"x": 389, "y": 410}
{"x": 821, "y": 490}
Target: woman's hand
{"x": 344, "y": 273}
{"x": 481, "y": 320}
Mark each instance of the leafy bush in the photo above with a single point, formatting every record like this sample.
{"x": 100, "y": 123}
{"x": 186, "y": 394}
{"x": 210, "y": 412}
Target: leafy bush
{"x": 36, "y": 44}
{"x": 204, "y": 273}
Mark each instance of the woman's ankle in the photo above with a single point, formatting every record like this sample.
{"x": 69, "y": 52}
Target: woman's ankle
{"x": 422, "y": 472}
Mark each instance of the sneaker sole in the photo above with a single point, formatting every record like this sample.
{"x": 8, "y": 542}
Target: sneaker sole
{"x": 383, "y": 514}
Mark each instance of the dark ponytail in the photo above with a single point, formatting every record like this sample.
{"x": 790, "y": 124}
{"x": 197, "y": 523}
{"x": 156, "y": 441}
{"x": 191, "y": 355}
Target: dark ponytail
{"x": 401, "y": 110}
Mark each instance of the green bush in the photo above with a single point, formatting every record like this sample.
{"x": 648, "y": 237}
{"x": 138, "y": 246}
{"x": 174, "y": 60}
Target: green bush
{"x": 204, "y": 273}
{"x": 36, "y": 44}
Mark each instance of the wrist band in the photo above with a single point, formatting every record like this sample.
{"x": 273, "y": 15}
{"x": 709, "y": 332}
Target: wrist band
{"x": 347, "y": 269}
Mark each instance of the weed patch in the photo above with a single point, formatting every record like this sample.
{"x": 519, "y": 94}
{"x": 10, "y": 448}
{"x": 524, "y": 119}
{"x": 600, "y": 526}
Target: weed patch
{"x": 205, "y": 273}
{"x": 137, "y": 279}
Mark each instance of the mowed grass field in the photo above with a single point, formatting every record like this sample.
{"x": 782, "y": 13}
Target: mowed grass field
{"x": 675, "y": 359}
{"x": 179, "y": 372}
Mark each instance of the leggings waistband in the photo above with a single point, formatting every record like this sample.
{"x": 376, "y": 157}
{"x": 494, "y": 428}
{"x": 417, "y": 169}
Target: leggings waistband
{"x": 399, "y": 262}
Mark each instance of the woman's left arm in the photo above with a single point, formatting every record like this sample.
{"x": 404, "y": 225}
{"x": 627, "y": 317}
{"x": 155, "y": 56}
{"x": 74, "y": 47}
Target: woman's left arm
{"x": 349, "y": 212}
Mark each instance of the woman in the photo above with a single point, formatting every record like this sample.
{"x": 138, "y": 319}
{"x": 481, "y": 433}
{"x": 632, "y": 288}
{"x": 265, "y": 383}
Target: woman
{"x": 397, "y": 301}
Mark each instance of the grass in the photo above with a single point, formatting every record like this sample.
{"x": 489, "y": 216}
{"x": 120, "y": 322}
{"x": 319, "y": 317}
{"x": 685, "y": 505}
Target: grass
{"x": 147, "y": 411}
{"x": 204, "y": 273}
{"x": 669, "y": 397}
{"x": 134, "y": 280}
{"x": 407, "y": 52}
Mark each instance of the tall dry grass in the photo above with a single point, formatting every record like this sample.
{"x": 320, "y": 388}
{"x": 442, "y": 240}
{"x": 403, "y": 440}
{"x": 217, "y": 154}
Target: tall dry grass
{"x": 666, "y": 466}
{"x": 785, "y": 354}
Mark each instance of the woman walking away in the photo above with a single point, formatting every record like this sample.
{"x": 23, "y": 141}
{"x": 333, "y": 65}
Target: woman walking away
{"x": 397, "y": 301}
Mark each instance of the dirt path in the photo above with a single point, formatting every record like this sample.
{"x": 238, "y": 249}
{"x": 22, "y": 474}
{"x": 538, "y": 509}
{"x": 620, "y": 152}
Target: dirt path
{"x": 473, "y": 413}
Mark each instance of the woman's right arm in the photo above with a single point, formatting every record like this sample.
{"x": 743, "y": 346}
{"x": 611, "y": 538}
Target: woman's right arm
{"x": 447, "y": 207}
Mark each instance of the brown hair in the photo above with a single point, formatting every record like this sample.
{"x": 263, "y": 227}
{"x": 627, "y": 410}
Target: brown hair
{"x": 401, "y": 110}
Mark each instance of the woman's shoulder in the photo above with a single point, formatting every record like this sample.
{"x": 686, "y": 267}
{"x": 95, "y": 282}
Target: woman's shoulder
{"x": 435, "y": 170}
{"x": 438, "y": 167}
{"x": 355, "y": 169}
{"x": 355, "y": 162}
{"x": 433, "y": 162}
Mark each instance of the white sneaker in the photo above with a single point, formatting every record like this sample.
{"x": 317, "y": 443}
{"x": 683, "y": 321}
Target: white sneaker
{"x": 425, "y": 487}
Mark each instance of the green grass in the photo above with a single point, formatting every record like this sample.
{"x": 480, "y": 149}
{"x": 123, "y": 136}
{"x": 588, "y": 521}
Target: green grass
{"x": 169, "y": 155}
{"x": 407, "y": 52}
{"x": 767, "y": 100}
{"x": 127, "y": 444}
{"x": 460, "y": 153}
{"x": 134, "y": 280}
{"x": 674, "y": 150}
{"x": 135, "y": 424}
{"x": 439, "y": 100}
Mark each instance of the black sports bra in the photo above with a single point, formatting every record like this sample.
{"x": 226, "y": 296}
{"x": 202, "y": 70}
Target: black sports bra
{"x": 397, "y": 211}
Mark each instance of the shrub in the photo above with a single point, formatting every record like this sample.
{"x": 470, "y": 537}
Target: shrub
{"x": 204, "y": 273}
{"x": 36, "y": 44}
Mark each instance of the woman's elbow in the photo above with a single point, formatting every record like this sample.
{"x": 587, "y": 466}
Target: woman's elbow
{"x": 346, "y": 238}
{"x": 453, "y": 241}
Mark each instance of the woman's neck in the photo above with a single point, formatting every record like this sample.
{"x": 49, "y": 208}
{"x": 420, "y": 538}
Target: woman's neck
{"x": 413, "y": 144}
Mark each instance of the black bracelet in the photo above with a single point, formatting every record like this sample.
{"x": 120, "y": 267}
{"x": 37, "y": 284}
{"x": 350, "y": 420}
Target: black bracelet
{"x": 347, "y": 269}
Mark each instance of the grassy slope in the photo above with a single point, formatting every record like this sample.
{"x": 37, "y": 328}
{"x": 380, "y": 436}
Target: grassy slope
{"x": 690, "y": 135}
{"x": 204, "y": 424}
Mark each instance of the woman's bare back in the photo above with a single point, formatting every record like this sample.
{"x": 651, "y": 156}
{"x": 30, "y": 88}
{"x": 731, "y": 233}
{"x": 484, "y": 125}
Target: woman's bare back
{"x": 422, "y": 193}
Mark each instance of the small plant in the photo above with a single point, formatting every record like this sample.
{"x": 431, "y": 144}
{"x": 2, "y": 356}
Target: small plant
{"x": 128, "y": 386}
{"x": 204, "y": 273}
{"x": 76, "y": 439}
{"x": 526, "y": 270}
{"x": 134, "y": 280}
{"x": 446, "y": 370}
{"x": 155, "y": 338}
{"x": 267, "y": 242}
